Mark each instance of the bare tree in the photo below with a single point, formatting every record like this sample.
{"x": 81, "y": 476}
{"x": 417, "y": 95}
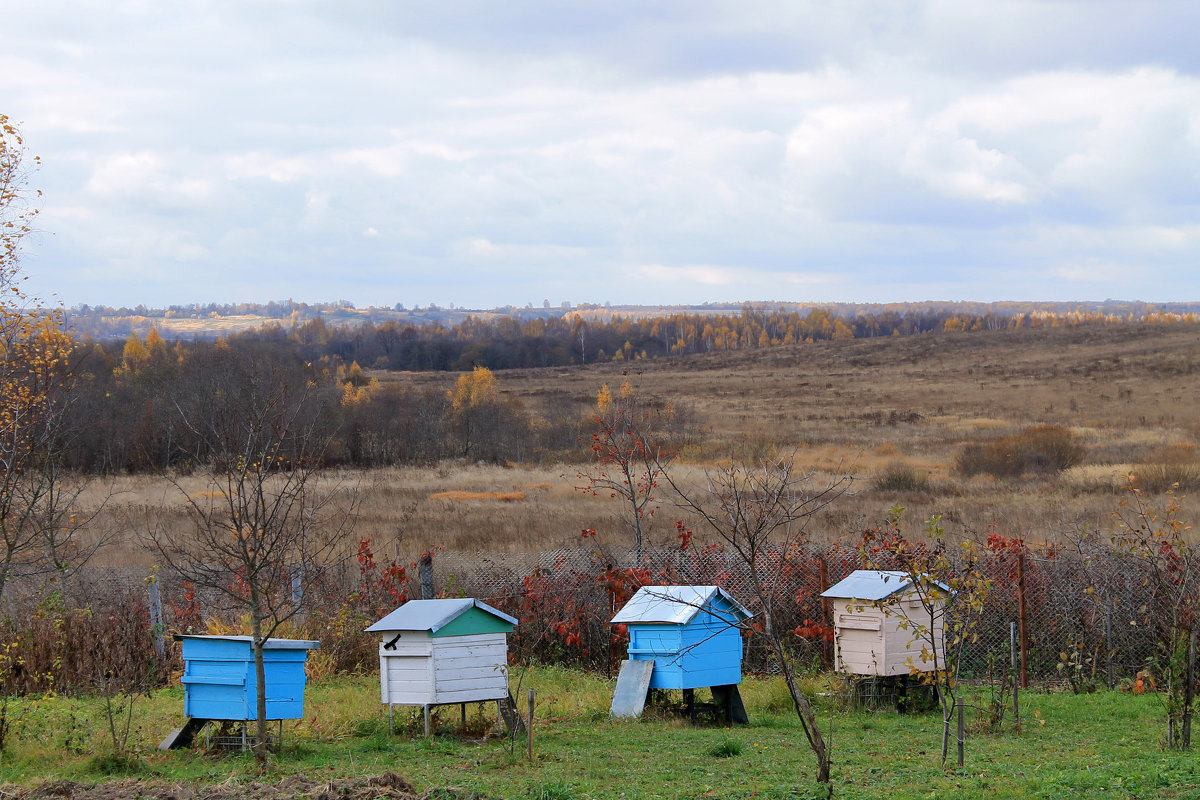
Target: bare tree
{"x": 630, "y": 452}
{"x": 1158, "y": 541}
{"x": 762, "y": 512}
{"x": 261, "y": 522}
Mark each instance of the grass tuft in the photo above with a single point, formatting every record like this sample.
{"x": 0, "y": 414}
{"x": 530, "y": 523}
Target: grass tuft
{"x": 900, "y": 477}
{"x": 726, "y": 748}
{"x": 553, "y": 790}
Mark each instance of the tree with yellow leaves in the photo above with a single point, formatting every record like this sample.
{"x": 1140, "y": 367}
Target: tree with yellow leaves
{"x": 485, "y": 425}
{"x": 37, "y": 526}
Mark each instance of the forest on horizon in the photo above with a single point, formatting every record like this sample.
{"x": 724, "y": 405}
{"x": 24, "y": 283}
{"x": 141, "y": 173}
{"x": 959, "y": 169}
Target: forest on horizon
{"x": 140, "y": 398}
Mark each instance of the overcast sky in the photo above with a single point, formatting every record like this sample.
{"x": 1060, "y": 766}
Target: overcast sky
{"x": 490, "y": 153}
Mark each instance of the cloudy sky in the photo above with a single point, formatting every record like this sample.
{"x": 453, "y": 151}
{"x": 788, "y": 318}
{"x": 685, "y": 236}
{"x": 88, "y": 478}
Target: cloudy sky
{"x": 487, "y": 153}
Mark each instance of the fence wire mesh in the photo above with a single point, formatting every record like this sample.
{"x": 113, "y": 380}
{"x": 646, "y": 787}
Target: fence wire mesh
{"x": 1086, "y": 615}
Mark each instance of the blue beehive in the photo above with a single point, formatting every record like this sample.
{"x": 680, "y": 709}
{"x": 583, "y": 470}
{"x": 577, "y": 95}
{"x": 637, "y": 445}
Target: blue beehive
{"x": 691, "y": 634}
{"x": 219, "y": 681}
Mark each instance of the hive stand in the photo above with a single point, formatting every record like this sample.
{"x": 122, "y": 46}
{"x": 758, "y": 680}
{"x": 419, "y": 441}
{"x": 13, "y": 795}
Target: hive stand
{"x": 633, "y": 687}
{"x": 682, "y": 638}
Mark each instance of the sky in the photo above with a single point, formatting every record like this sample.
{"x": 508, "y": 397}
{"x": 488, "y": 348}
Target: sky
{"x": 483, "y": 153}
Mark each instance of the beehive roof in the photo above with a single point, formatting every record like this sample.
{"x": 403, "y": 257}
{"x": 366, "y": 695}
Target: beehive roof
{"x": 676, "y": 604}
{"x": 873, "y": 584}
{"x": 431, "y": 615}
{"x": 269, "y": 644}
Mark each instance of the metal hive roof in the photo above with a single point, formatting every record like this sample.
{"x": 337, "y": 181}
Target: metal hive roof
{"x": 431, "y": 615}
{"x": 873, "y": 584}
{"x": 269, "y": 644}
{"x": 676, "y": 604}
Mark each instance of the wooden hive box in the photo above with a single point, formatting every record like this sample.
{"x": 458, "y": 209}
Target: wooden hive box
{"x": 691, "y": 634}
{"x": 437, "y": 652}
{"x": 219, "y": 681}
{"x": 875, "y": 614}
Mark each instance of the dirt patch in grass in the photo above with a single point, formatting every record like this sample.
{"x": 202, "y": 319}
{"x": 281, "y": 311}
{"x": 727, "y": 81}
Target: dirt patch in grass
{"x": 387, "y": 786}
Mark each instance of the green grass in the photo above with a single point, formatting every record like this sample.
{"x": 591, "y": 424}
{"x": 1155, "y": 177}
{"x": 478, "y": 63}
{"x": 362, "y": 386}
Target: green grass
{"x": 1099, "y": 745}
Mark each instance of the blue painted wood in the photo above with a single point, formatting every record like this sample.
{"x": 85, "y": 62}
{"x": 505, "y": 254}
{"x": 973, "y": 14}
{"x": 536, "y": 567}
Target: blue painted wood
{"x": 705, "y": 651}
{"x": 219, "y": 681}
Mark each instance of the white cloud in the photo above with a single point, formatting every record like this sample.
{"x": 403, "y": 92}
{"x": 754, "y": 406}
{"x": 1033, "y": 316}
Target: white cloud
{"x": 516, "y": 150}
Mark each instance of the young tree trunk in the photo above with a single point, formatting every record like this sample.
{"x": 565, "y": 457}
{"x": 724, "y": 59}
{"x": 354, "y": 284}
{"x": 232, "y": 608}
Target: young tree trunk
{"x": 808, "y": 719}
{"x": 260, "y": 693}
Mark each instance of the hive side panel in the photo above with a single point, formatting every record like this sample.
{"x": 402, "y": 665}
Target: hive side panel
{"x": 407, "y": 680}
{"x": 468, "y": 668}
{"x": 711, "y": 655}
{"x": 860, "y": 652}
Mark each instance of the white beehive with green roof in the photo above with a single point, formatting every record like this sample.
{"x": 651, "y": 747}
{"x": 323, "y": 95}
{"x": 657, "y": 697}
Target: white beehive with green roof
{"x": 438, "y": 652}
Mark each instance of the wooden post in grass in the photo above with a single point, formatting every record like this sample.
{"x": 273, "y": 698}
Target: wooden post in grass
{"x": 156, "y": 617}
{"x": 1189, "y": 692}
{"x": 529, "y": 728}
{"x": 1012, "y": 649}
{"x": 962, "y": 733}
{"x": 826, "y": 612}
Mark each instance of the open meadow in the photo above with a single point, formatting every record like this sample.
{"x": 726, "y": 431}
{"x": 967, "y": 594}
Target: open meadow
{"x": 892, "y": 412}
{"x": 912, "y": 420}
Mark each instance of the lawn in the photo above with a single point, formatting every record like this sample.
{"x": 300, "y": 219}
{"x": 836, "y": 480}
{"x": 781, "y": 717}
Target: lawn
{"x": 1105, "y": 744}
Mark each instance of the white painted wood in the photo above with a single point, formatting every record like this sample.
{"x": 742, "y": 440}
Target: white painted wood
{"x": 887, "y": 640}
{"x": 424, "y": 670}
{"x": 866, "y": 622}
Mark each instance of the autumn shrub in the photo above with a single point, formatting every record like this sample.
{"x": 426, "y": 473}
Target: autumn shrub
{"x": 1039, "y": 450}
{"x": 900, "y": 477}
{"x": 1171, "y": 466}
{"x": 59, "y": 644}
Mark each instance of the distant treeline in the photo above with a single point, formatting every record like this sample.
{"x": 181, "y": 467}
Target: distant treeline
{"x": 138, "y": 403}
{"x": 504, "y": 342}
{"x": 147, "y": 405}
{"x": 213, "y": 320}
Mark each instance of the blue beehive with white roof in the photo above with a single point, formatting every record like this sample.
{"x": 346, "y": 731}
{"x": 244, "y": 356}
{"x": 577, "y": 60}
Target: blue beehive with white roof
{"x": 690, "y": 633}
{"x": 219, "y": 681}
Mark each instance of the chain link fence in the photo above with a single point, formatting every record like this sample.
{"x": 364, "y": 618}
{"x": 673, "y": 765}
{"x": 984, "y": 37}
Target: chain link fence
{"x": 1086, "y": 616}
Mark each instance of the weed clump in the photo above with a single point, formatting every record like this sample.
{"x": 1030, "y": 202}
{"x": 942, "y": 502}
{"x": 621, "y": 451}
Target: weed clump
{"x": 1040, "y": 450}
{"x": 899, "y": 477}
{"x": 1172, "y": 466}
{"x": 726, "y": 748}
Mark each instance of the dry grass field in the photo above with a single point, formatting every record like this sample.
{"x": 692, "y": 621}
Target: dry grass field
{"x": 864, "y": 408}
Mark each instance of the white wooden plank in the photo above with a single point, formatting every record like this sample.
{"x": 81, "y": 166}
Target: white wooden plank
{"x": 465, "y": 682}
{"x": 472, "y": 640}
{"x": 862, "y": 622}
{"x": 411, "y": 698}
{"x": 468, "y": 662}
{"x": 493, "y": 651}
{"x": 471, "y": 695}
{"x": 407, "y": 649}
